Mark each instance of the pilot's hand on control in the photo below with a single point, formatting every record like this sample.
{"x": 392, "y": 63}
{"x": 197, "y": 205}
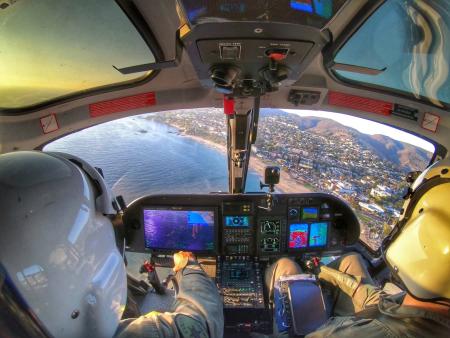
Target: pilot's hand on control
{"x": 347, "y": 283}
{"x": 181, "y": 259}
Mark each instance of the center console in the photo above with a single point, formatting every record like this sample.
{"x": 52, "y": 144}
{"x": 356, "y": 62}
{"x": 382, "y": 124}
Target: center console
{"x": 238, "y": 273}
{"x": 240, "y": 280}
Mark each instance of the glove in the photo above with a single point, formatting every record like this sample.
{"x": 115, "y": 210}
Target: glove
{"x": 347, "y": 283}
{"x": 181, "y": 259}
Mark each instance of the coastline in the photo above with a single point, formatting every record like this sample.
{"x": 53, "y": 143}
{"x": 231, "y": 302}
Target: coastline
{"x": 287, "y": 184}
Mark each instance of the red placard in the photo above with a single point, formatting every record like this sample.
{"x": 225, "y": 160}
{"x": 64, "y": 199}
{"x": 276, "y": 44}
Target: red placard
{"x": 360, "y": 103}
{"x": 228, "y": 105}
{"x": 122, "y": 104}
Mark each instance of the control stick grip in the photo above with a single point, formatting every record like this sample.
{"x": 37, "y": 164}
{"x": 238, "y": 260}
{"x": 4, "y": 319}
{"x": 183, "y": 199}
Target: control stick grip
{"x": 314, "y": 265}
{"x": 152, "y": 277}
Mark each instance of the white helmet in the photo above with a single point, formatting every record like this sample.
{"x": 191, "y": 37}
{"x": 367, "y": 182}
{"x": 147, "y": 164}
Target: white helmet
{"x": 57, "y": 245}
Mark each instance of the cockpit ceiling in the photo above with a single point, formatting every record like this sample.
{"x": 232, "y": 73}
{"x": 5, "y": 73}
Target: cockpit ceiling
{"x": 313, "y": 13}
{"x": 184, "y": 80}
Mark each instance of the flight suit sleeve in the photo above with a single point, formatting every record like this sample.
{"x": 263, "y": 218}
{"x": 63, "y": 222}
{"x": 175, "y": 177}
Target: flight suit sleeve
{"x": 197, "y": 312}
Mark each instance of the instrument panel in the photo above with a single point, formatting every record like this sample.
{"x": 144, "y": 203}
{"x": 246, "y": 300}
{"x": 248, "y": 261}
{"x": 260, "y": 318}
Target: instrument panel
{"x": 241, "y": 225}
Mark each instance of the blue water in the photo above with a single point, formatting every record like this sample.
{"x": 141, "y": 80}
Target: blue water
{"x": 137, "y": 163}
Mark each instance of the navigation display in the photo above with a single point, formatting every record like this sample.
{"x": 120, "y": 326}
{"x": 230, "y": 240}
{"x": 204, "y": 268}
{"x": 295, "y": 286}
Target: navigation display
{"x": 298, "y": 236}
{"x": 310, "y": 213}
{"x": 190, "y": 230}
{"x": 318, "y": 234}
{"x": 237, "y": 221}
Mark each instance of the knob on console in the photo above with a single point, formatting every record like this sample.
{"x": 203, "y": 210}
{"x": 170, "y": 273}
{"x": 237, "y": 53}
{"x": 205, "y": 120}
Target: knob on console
{"x": 224, "y": 76}
{"x": 293, "y": 212}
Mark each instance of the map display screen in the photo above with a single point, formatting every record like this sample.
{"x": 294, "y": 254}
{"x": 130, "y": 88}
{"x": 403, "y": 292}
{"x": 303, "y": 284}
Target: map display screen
{"x": 298, "y": 236}
{"x": 318, "y": 234}
{"x": 190, "y": 230}
{"x": 237, "y": 221}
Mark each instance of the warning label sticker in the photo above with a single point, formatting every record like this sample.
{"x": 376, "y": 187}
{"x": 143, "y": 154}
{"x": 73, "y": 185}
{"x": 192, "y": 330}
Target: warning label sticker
{"x": 49, "y": 123}
{"x": 430, "y": 122}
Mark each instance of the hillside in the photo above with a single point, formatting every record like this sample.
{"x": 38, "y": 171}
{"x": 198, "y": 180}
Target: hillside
{"x": 405, "y": 155}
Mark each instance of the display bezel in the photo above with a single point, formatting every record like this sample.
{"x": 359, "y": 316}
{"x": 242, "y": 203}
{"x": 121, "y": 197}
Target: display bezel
{"x": 215, "y": 210}
{"x": 308, "y": 247}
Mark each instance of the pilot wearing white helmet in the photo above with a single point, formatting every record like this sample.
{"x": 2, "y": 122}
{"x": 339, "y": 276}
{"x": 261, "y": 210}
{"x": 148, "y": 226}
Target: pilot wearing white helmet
{"x": 61, "y": 273}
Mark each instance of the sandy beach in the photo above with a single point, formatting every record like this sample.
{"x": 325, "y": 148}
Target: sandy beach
{"x": 287, "y": 184}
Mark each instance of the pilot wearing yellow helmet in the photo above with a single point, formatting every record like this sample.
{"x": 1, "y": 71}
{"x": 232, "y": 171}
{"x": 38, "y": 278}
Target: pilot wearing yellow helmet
{"x": 418, "y": 254}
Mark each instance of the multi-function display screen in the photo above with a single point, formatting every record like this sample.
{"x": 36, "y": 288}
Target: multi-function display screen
{"x": 237, "y": 221}
{"x": 190, "y": 230}
{"x": 298, "y": 235}
{"x": 310, "y": 213}
{"x": 303, "y": 235}
{"x": 318, "y": 234}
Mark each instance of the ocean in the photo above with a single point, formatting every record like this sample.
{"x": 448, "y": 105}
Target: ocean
{"x": 141, "y": 157}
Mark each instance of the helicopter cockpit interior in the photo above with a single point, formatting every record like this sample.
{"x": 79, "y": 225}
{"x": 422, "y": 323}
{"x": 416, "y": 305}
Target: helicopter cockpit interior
{"x": 240, "y": 56}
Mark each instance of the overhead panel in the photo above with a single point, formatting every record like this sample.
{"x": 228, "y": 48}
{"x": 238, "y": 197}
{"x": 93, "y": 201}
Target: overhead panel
{"x": 250, "y": 48}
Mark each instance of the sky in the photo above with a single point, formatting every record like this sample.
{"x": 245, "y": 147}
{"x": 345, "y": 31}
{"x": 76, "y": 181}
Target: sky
{"x": 368, "y": 127}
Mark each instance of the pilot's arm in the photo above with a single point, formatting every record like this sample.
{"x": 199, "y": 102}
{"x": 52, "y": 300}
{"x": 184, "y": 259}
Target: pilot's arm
{"x": 198, "y": 309}
{"x": 362, "y": 294}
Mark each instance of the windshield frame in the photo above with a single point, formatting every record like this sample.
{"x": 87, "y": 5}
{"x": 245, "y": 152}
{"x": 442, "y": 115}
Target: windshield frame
{"x": 329, "y": 53}
{"x": 142, "y": 28}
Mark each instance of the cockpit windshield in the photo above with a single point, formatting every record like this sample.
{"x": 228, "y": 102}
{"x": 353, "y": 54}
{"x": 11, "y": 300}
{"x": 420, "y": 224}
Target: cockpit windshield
{"x": 363, "y": 162}
{"x": 184, "y": 151}
{"x": 161, "y": 153}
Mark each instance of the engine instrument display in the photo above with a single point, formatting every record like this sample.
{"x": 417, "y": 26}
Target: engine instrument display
{"x": 298, "y": 235}
{"x": 168, "y": 229}
{"x": 237, "y": 221}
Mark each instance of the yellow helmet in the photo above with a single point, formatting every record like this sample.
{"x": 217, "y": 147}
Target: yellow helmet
{"x": 418, "y": 250}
